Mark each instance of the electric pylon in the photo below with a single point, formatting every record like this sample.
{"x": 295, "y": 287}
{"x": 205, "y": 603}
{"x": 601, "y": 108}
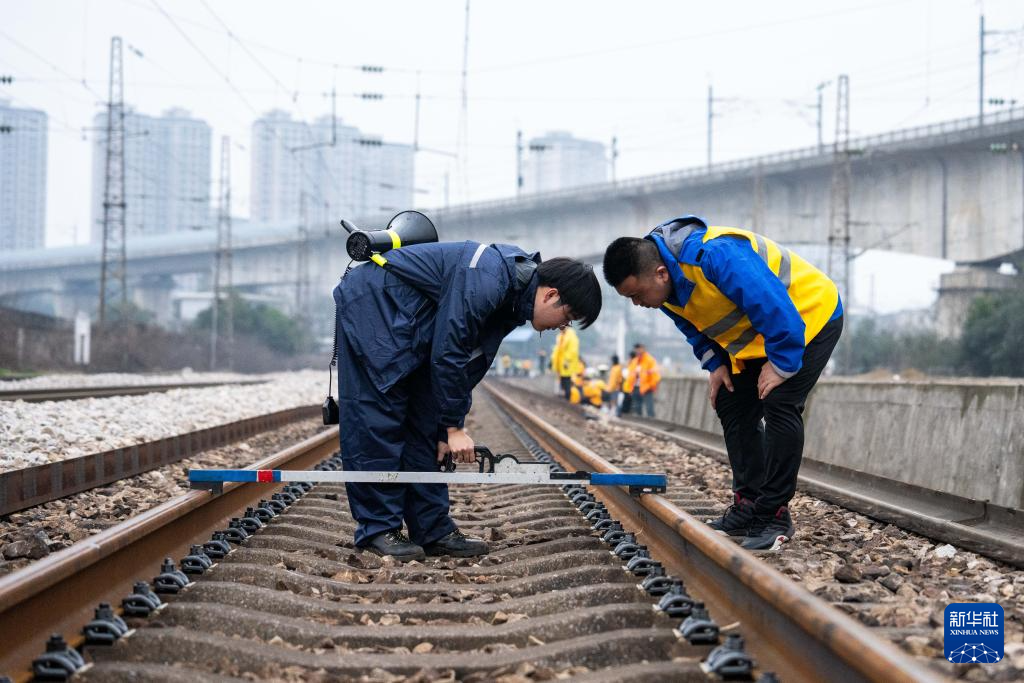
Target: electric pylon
{"x": 839, "y": 213}
{"x": 222, "y": 274}
{"x": 113, "y": 285}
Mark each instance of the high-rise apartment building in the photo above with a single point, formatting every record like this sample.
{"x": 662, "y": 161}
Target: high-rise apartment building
{"x": 557, "y": 161}
{"x": 23, "y": 140}
{"x": 166, "y": 173}
{"x": 356, "y": 176}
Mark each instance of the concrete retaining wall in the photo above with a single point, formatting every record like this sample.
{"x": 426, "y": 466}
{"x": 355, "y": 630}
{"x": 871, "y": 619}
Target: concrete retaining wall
{"x": 965, "y": 438}
{"x": 961, "y": 437}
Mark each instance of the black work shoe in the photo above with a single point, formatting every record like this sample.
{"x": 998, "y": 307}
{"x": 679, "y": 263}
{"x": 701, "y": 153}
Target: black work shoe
{"x": 457, "y": 544}
{"x": 770, "y": 532}
{"x": 737, "y": 518}
{"x": 395, "y": 544}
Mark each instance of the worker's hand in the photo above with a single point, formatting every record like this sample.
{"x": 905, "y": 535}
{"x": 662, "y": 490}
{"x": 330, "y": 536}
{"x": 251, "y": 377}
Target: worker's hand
{"x": 768, "y": 380}
{"x": 461, "y": 445}
{"x": 716, "y": 379}
{"x": 442, "y": 450}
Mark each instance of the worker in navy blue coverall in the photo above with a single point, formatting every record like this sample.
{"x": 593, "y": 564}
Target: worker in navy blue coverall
{"x": 414, "y": 337}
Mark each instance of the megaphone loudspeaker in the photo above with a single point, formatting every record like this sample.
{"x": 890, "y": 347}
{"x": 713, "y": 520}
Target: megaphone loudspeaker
{"x": 407, "y": 227}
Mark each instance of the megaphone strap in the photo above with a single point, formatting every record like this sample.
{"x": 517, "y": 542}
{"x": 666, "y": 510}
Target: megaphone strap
{"x": 396, "y": 241}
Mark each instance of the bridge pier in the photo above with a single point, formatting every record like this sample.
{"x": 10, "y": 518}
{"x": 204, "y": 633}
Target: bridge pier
{"x": 153, "y": 293}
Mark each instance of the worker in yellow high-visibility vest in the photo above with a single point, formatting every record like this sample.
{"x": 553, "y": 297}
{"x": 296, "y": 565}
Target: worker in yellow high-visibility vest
{"x": 763, "y": 322}
{"x": 564, "y": 358}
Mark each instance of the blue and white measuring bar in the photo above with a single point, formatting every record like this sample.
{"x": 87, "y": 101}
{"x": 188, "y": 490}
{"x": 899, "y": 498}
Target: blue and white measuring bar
{"x": 539, "y": 474}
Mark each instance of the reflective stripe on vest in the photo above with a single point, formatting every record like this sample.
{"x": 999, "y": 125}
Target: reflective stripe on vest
{"x": 813, "y": 294}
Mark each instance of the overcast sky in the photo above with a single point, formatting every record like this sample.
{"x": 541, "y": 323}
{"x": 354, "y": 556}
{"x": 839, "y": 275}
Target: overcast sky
{"x": 637, "y": 70}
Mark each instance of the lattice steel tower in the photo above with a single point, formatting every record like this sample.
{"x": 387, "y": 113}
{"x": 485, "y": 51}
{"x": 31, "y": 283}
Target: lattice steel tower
{"x": 839, "y": 213}
{"x": 113, "y": 287}
{"x": 222, "y": 269}
{"x": 302, "y": 276}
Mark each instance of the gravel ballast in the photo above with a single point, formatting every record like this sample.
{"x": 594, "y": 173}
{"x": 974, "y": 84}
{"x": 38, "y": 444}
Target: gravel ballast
{"x": 31, "y": 534}
{"x": 68, "y": 380}
{"x": 38, "y": 433}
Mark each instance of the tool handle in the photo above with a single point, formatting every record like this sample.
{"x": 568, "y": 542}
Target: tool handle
{"x": 484, "y": 458}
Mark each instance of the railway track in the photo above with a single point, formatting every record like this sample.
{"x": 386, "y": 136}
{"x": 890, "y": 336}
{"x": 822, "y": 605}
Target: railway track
{"x": 990, "y": 530}
{"x": 76, "y": 393}
{"x": 30, "y": 486}
{"x": 295, "y": 601}
{"x": 875, "y": 569}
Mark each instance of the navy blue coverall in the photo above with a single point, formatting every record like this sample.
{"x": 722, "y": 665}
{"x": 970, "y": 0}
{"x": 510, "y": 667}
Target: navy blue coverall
{"x": 414, "y": 338}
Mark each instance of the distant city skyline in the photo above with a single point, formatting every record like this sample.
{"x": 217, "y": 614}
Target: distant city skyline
{"x": 558, "y": 160}
{"x": 640, "y": 75}
{"x": 24, "y": 139}
{"x": 338, "y": 170}
{"x": 166, "y": 173}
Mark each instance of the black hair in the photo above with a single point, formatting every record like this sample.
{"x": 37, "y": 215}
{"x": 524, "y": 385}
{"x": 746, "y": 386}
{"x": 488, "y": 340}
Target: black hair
{"x": 615, "y": 360}
{"x": 629, "y": 256}
{"x": 578, "y": 287}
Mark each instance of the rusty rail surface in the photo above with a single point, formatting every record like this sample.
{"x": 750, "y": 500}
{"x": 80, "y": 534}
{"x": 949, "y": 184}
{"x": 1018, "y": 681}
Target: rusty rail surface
{"x": 23, "y": 488}
{"x": 788, "y": 628}
{"x": 74, "y": 393}
{"x": 58, "y": 593}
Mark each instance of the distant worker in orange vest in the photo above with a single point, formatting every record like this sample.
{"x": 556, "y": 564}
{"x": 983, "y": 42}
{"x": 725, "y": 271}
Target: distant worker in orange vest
{"x": 647, "y": 379}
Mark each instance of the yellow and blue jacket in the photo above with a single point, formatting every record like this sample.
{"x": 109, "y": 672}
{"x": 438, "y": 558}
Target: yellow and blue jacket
{"x": 740, "y": 296}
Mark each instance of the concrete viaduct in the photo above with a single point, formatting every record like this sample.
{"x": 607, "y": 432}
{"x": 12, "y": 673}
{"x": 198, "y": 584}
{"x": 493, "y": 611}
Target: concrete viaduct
{"x": 953, "y": 190}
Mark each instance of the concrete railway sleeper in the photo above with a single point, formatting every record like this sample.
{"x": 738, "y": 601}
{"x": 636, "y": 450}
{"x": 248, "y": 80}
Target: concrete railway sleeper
{"x": 566, "y": 603}
{"x": 280, "y": 593}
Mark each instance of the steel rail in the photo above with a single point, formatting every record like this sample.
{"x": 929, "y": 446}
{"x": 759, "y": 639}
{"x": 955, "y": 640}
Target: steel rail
{"x": 74, "y": 393}
{"x": 787, "y": 628}
{"x": 30, "y": 486}
{"x": 58, "y": 593}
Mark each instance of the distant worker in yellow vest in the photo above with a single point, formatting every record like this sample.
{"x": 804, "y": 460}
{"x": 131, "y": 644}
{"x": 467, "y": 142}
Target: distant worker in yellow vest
{"x": 763, "y": 322}
{"x": 594, "y": 389}
{"x": 564, "y": 357}
{"x": 576, "y": 390}
{"x": 646, "y": 383}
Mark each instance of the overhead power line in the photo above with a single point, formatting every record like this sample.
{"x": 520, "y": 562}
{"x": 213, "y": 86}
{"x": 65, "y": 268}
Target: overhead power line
{"x": 231, "y": 84}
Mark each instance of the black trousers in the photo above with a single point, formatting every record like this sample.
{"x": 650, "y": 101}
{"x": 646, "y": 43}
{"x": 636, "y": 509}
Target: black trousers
{"x": 765, "y": 458}
{"x": 566, "y": 384}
